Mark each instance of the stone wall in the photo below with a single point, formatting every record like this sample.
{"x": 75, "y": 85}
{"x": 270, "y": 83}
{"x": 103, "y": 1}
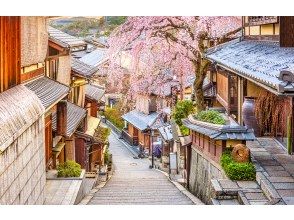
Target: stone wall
{"x": 202, "y": 171}
{"x": 22, "y": 154}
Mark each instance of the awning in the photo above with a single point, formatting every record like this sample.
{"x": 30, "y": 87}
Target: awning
{"x": 92, "y": 123}
{"x": 48, "y": 91}
{"x": 82, "y": 69}
{"x": 259, "y": 61}
{"x": 75, "y": 115}
{"x": 226, "y": 132}
{"x": 94, "y": 92}
{"x": 64, "y": 39}
{"x": 140, "y": 120}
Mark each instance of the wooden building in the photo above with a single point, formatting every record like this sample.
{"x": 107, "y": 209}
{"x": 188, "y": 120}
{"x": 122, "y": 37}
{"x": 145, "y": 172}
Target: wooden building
{"x": 23, "y": 42}
{"x": 257, "y": 67}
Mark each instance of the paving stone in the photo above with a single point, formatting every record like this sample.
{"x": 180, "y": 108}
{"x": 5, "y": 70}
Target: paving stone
{"x": 276, "y": 179}
{"x": 136, "y": 184}
{"x": 229, "y": 202}
{"x": 248, "y": 184}
{"x": 258, "y": 202}
{"x": 255, "y": 196}
{"x": 286, "y": 192}
{"x": 228, "y": 184}
{"x": 278, "y": 173}
{"x": 284, "y": 185}
{"x": 289, "y": 200}
{"x": 273, "y": 168}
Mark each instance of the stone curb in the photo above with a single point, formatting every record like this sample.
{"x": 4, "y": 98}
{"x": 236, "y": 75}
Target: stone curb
{"x": 129, "y": 149}
{"x": 183, "y": 190}
{"x": 92, "y": 192}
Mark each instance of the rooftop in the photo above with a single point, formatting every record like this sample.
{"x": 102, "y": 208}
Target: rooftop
{"x": 259, "y": 61}
{"x": 94, "y": 92}
{"x": 230, "y": 131}
{"x": 83, "y": 69}
{"x": 48, "y": 91}
{"x": 75, "y": 115}
{"x": 64, "y": 39}
{"x": 95, "y": 57}
{"x": 140, "y": 120}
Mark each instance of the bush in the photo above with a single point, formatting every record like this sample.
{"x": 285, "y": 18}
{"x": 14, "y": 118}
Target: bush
{"x": 101, "y": 135}
{"x": 69, "y": 169}
{"x": 235, "y": 170}
{"x": 182, "y": 110}
{"x": 210, "y": 116}
{"x": 114, "y": 116}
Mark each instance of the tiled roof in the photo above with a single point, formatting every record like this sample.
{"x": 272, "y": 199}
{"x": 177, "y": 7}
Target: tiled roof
{"x": 19, "y": 109}
{"x": 228, "y": 132}
{"x": 95, "y": 57}
{"x": 64, "y": 39}
{"x": 140, "y": 120}
{"x": 48, "y": 90}
{"x": 82, "y": 68}
{"x": 75, "y": 114}
{"x": 259, "y": 61}
{"x": 94, "y": 92}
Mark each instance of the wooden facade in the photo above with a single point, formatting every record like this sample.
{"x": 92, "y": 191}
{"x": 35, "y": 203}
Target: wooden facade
{"x": 10, "y": 52}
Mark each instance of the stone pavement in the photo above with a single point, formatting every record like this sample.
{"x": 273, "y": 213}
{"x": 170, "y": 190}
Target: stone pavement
{"x": 134, "y": 183}
{"x": 275, "y": 169}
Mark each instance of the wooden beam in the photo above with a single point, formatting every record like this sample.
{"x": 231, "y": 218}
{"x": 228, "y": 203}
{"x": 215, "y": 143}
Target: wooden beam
{"x": 61, "y": 119}
{"x": 32, "y": 74}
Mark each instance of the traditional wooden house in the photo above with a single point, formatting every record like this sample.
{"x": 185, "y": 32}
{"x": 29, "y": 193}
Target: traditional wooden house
{"x": 23, "y": 141}
{"x": 256, "y": 72}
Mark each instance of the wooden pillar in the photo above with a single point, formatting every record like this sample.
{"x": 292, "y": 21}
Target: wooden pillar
{"x": 69, "y": 149}
{"x": 240, "y": 99}
{"x": 188, "y": 162}
{"x": 61, "y": 119}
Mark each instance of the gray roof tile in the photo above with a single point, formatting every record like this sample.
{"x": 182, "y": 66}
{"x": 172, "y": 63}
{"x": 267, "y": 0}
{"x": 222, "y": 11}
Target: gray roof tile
{"x": 94, "y": 92}
{"x": 48, "y": 91}
{"x": 140, "y": 120}
{"x": 227, "y": 133}
{"x": 261, "y": 61}
{"x": 64, "y": 39}
{"x": 82, "y": 68}
{"x": 75, "y": 115}
{"x": 95, "y": 57}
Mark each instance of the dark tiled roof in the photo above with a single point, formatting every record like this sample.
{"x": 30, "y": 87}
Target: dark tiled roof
{"x": 64, "y": 39}
{"x": 140, "y": 120}
{"x": 94, "y": 92}
{"x": 235, "y": 132}
{"x": 95, "y": 57}
{"x": 75, "y": 114}
{"x": 48, "y": 90}
{"x": 82, "y": 68}
{"x": 260, "y": 61}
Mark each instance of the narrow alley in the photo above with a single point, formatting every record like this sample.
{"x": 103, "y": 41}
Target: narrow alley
{"x": 134, "y": 183}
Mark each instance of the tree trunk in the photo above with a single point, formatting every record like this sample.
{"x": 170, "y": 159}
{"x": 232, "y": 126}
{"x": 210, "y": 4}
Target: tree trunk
{"x": 201, "y": 69}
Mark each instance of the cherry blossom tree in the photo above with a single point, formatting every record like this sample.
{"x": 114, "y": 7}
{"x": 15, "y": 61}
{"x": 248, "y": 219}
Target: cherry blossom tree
{"x": 179, "y": 43}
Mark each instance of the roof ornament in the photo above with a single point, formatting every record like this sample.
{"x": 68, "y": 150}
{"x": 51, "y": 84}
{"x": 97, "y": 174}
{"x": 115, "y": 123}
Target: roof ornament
{"x": 287, "y": 75}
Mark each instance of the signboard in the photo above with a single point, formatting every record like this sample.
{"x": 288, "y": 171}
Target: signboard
{"x": 173, "y": 161}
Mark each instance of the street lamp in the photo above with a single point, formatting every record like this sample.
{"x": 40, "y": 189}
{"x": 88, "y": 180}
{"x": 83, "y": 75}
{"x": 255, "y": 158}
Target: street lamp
{"x": 152, "y": 150}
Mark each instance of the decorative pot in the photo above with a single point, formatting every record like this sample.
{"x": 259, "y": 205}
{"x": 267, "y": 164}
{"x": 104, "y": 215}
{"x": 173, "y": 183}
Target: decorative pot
{"x": 249, "y": 118}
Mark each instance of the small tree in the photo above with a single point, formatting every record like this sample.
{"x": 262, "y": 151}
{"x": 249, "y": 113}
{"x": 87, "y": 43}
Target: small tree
{"x": 182, "y": 110}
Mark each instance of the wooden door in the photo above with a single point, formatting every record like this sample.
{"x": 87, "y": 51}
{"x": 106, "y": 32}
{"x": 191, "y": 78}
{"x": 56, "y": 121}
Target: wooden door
{"x": 48, "y": 138}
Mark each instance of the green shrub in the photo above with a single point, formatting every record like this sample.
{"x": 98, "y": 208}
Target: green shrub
{"x": 182, "y": 110}
{"x": 210, "y": 116}
{"x": 114, "y": 116}
{"x": 236, "y": 170}
{"x": 69, "y": 169}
